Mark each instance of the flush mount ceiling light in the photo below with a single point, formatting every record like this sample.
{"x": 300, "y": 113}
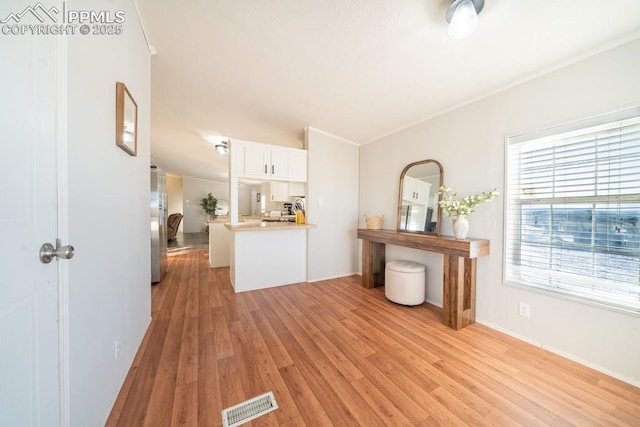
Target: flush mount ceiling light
{"x": 462, "y": 17}
{"x": 220, "y": 143}
{"x": 222, "y": 148}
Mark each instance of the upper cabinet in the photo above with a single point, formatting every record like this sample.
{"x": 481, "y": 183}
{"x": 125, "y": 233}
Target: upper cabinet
{"x": 257, "y": 162}
{"x": 277, "y": 191}
{"x": 415, "y": 190}
{"x": 297, "y": 165}
{"x": 272, "y": 162}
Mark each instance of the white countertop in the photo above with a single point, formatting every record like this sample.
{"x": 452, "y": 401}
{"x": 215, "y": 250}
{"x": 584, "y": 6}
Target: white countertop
{"x": 218, "y": 220}
{"x": 269, "y": 226}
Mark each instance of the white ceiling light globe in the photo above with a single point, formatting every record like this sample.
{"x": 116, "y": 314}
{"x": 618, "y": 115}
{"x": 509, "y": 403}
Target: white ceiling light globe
{"x": 464, "y": 21}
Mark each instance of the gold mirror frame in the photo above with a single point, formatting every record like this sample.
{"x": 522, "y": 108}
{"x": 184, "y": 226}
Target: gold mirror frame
{"x": 418, "y": 195}
{"x": 126, "y": 120}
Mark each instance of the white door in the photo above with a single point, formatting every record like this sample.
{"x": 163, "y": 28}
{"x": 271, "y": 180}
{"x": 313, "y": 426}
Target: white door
{"x": 29, "y": 385}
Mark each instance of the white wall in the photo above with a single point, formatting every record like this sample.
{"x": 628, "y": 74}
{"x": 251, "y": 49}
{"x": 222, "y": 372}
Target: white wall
{"x": 193, "y": 191}
{"x": 332, "y": 178}
{"x": 470, "y": 144}
{"x": 108, "y": 192}
{"x": 174, "y": 196}
{"x": 244, "y": 199}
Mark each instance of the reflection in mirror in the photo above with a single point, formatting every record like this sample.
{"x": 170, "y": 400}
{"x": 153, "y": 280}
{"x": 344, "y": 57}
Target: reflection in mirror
{"x": 222, "y": 208}
{"x": 418, "y": 208}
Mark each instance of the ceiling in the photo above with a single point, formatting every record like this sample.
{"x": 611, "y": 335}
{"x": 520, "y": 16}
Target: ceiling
{"x": 360, "y": 69}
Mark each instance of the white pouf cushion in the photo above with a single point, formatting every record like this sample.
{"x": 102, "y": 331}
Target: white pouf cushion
{"x": 404, "y": 282}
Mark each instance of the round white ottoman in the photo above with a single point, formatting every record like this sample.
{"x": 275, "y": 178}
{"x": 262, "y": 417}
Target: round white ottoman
{"x": 404, "y": 282}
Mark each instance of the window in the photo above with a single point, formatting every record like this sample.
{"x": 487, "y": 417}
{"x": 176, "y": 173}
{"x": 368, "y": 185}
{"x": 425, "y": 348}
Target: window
{"x": 573, "y": 210}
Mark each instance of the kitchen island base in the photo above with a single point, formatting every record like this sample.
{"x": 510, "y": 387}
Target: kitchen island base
{"x": 264, "y": 257}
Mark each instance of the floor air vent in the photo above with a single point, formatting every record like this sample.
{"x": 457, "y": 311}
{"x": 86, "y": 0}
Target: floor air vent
{"x": 249, "y": 410}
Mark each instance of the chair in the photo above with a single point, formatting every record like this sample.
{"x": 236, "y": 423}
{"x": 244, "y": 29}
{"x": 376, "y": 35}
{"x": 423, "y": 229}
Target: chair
{"x": 173, "y": 222}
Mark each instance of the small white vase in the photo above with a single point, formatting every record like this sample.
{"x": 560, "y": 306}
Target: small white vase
{"x": 460, "y": 227}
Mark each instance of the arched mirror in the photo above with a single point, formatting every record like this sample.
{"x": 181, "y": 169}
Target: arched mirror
{"x": 418, "y": 208}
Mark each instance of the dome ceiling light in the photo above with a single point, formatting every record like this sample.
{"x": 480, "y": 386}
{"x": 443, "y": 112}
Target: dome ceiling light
{"x": 220, "y": 143}
{"x": 222, "y": 148}
{"x": 462, "y": 17}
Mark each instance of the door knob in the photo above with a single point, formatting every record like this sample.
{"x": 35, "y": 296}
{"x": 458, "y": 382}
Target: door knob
{"x": 48, "y": 252}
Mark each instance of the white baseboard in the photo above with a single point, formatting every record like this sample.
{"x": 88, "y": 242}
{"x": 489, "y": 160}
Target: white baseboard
{"x": 437, "y": 304}
{"x": 332, "y": 277}
{"x": 561, "y": 353}
{"x": 532, "y": 342}
{"x": 126, "y": 372}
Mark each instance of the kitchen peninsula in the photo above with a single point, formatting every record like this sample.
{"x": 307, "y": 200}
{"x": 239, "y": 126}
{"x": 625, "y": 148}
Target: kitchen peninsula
{"x": 267, "y": 254}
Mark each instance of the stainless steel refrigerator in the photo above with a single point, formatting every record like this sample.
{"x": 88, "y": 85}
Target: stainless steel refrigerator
{"x": 158, "y": 224}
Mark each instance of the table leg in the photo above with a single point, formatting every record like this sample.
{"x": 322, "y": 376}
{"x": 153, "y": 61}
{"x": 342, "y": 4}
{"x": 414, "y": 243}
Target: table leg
{"x": 373, "y": 263}
{"x": 459, "y": 291}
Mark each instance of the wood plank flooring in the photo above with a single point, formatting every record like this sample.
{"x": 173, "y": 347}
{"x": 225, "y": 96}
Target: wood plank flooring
{"x": 336, "y": 354}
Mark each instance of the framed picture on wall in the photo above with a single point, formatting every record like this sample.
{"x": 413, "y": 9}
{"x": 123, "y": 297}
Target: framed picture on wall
{"x": 126, "y": 120}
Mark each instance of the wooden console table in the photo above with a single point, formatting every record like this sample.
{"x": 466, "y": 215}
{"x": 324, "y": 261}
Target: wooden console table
{"x": 459, "y": 287}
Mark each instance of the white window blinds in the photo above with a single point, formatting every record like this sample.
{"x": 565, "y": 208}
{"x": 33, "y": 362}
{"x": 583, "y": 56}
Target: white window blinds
{"x": 573, "y": 210}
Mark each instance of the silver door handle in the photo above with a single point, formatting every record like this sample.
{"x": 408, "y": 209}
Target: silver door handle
{"x": 48, "y": 252}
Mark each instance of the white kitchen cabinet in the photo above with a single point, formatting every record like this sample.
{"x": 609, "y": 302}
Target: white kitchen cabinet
{"x": 279, "y": 164}
{"x": 278, "y": 191}
{"x": 422, "y": 192}
{"x": 298, "y": 165}
{"x": 256, "y": 161}
{"x": 272, "y": 162}
{"x": 415, "y": 190}
{"x": 219, "y": 238}
{"x": 297, "y": 189}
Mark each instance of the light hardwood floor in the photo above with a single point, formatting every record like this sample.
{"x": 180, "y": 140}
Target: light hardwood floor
{"x": 334, "y": 353}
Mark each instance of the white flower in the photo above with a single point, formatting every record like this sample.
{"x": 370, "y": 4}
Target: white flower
{"x": 452, "y": 206}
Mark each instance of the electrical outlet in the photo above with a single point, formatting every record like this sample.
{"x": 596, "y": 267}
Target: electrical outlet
{"x": 524, "y": 310}
{"x": 116, "y": 346}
